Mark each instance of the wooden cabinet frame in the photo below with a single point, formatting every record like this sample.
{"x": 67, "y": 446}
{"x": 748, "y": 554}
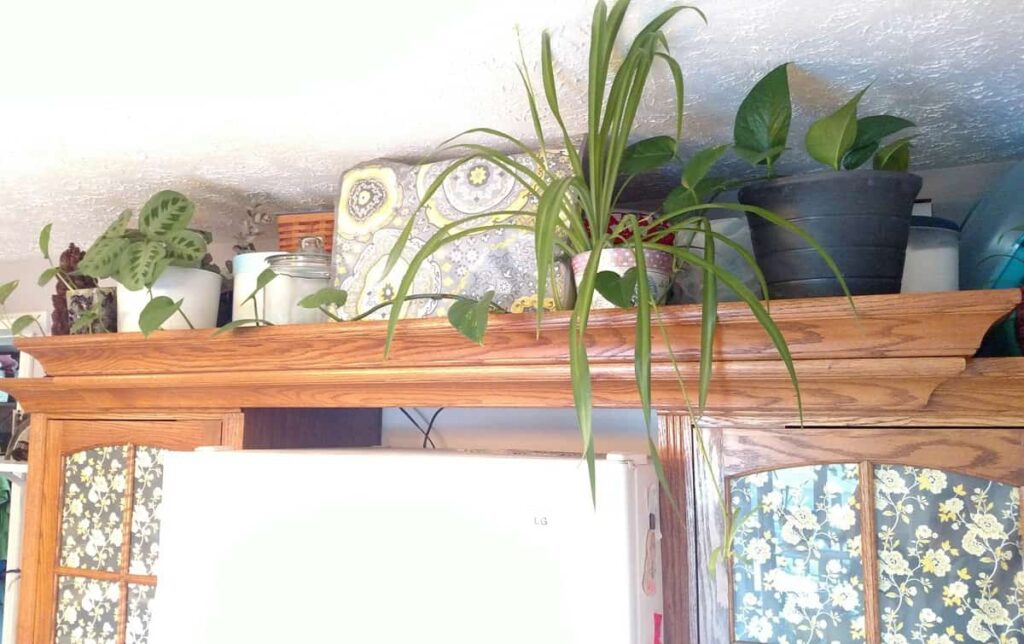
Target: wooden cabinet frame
{"x": 898, "y": 361}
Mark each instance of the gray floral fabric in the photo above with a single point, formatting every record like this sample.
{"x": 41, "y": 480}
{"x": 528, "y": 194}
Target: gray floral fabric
{"x": 87, "y": 611}
{"x": 137, "y": 628}
{"x": 949, "y": 555}
{"x": 797, "y": 569}
{"x": 145, "y": 535}
{"x": 92, "y": 518}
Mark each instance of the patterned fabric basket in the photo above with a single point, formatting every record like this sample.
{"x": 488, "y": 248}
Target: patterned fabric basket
{"x": 376, "y": 201}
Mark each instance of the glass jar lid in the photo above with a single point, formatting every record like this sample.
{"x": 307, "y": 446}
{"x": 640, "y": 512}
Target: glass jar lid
{"x": 308, "y": 265}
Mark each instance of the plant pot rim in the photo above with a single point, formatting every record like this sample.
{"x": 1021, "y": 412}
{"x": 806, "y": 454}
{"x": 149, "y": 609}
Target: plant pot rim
{"x": 829, "y": 175}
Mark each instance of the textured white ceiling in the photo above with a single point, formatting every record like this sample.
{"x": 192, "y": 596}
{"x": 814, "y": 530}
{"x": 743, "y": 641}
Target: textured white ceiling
{"x": 103, "y": 103}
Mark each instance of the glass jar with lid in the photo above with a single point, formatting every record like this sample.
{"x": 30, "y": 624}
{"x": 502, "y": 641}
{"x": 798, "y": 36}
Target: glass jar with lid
{"x": 298, "y": 275}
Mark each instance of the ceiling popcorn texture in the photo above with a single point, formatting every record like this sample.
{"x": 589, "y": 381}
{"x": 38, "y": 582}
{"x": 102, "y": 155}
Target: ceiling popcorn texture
{"x": 236, "y": 103}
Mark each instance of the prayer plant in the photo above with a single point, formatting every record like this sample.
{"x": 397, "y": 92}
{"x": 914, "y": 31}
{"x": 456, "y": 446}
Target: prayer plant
{"x": 574, "y": 212}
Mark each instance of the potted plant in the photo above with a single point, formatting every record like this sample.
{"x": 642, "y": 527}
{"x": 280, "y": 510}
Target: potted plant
{"x": 576, "y": 215}
{"x": 862, "y": 218}
{"x": 157, "y": 267}
{"x": 79, "y": 305}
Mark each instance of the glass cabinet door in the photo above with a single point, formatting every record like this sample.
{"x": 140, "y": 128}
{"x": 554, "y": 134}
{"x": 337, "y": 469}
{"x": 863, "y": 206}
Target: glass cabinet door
{"x": 917, "y": 540}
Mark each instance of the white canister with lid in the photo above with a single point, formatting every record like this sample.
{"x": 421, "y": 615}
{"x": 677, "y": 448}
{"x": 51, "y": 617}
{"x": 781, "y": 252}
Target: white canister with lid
{"x": 298, "y": 275}
{"x": 246, "y": 268}
{"x": 933, "y": 256}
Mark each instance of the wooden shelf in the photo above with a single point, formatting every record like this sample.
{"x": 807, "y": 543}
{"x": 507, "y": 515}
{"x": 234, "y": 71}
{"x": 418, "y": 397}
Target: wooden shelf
{"x": 890, "y": 354}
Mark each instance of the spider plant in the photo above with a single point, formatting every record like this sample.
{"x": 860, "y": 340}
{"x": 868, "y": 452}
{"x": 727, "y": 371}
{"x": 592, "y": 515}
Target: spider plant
{"x": 574, "y": 213}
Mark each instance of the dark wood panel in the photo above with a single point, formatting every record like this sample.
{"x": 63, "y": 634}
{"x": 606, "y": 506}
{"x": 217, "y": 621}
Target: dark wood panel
{"x": 309, "y": 428}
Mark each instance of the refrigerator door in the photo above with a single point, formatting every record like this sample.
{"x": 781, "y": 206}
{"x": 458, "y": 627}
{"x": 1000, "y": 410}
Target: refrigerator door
{"x": 389, "y": 547}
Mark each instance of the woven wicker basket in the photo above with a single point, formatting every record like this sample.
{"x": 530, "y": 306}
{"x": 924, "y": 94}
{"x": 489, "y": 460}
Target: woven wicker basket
{"x": 292, "y": 227}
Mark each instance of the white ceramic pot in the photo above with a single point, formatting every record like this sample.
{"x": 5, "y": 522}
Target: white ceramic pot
{"x": 618, "y": 261}
{"x": 199, "y": 290}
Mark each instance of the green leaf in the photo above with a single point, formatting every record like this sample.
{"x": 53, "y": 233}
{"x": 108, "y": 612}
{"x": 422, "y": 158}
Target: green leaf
{"x": 678, "y": 199}
{"x": 47, "y": 275}
{"x": 326, "y": 296}
{"x": 755, "y": 157}
{"x": 642, "y": 344}
{"x": 84, "y": 321}
{"x": 620, "y": 290}
{"x": 156, "y": 312}
{"x": 647, "y": 154}
{"x": 469, "y": 317}
{"x": 138, "y": 264}
{"x": 185, "y": 247}
{"x": 103, "y": 257}
{"x": 165, "y": 212}
{"x": 831, "y": 137}
{"x": 44, "y": 240}
{"x": 708, "y": 317}
{"x": 762, "y": 120}
{"x": 22, "y": 323}
{"x": 895, "y": 156}
{"x": 234, "y": 324}
{"x": 870, "y": 132}
{"x": 119, "y": 226}
{"x": 6, "y": 289}
{"x": 701, "y": 163}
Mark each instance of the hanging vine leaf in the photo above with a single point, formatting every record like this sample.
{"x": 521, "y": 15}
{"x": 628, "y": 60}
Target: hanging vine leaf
{"x": 469, "y": 317}
{"x": 44, "y": 240}
{"x": 620, "y": 290}
{"x": 165, "y": 212}
{"x": 264, "y": 278}
{"x": 46, "y": 276}
{"x": 156, "y": 312}
{"x": 326, "y": 296}
{"x": 6, "y": 289}
{"x": 22, "y": 323}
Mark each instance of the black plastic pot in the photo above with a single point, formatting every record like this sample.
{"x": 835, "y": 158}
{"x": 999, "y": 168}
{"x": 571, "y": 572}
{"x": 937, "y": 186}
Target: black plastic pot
{"x": 862, "y": 218}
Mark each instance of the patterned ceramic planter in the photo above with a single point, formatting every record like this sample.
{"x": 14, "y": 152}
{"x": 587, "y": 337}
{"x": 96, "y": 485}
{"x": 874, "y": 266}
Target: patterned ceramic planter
{"x": 620, "y": 260}
{"x": 101, "y": 301}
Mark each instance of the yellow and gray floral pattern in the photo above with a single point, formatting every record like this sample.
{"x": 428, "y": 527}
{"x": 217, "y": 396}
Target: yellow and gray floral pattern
{"x": 375, "y": 203}
{"x": 137, "y": 629}
{"x": 87, "y": 611}
{"x": 797, "y": 569}
{"x": 92, "y": 520}
{"x": 145, "y": 535}
{"x": 949, "y": 554}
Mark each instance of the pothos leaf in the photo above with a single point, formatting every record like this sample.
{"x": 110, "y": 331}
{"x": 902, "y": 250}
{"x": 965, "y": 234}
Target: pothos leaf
{"x": 264, "y": 278}
{"x": 6, "y": 289}
{"x": 647, "y": 154}
{"x": 21, "y": 324}
{"x": 895, "y": 156}
{"x": 831, "y": 137}
{"x": 165, "y": 212}
{"x": 700, "y": 164}
{"x": 47, "y": 275}
{"x": 156, "y": 312}
{"x": 620, "y": 290}
{"x": 44, "y": 240}
{"x": 762, "y": 120}
{"x": 326, "y": 296}
{"x": 870, "y": 132}
{"x": 469, "y": 317}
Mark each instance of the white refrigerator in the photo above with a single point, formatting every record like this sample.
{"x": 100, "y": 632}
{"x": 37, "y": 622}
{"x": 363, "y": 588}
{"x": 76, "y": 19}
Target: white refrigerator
{"x": 381, "y": 546}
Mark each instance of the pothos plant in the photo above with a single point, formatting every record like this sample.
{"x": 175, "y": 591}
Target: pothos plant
{"x": 576, "y": 212}
{"x": 841, "y": 140}
{"x": 137, "y": 257}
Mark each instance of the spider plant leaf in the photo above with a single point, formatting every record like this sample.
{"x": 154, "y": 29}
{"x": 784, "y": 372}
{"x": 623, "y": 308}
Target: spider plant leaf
{"x": 647, "y": 154}
{"x": 708, "y": 318}
{"x": 659, "y": 470}
{"x": 620, "y": 290}
{"x": 762, "y": 120}
{"x": 642, "y": 343}
{"x": 549, "y": 213}
{"x": 47, "y": 275}
{"x": 750, "y": 260}
{"x": 165, "y": 212}
{"x": 157, "y": 311}
{"x": 44, "y": 241}
{"x": 327, "y": 296}
{"x": 582, "y": 394}
{"x": 21, "y": 323}
{"x": 680, "y": 87}
{"x": 469, "y": 317}
{"x": 498, "y": 134}
{"x": 701, "y": 163}
{"x": 551, "y": 94}
{"x": 870, "y": 132}
{"x": 6, "y": 289}
{"x": 831, "y": 137}
{"x": 895, "y": 156}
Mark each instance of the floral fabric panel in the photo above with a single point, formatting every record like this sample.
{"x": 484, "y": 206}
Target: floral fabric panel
{"x": 375, "y": 203}
{"x": 149, "y": 477}
{"x": 797, "y": 570}
{"x": 92, "y": 519}
{"x": 949, "y": 558}
{"x": 87, "y": 611}
{"x": 137, "y": 628}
